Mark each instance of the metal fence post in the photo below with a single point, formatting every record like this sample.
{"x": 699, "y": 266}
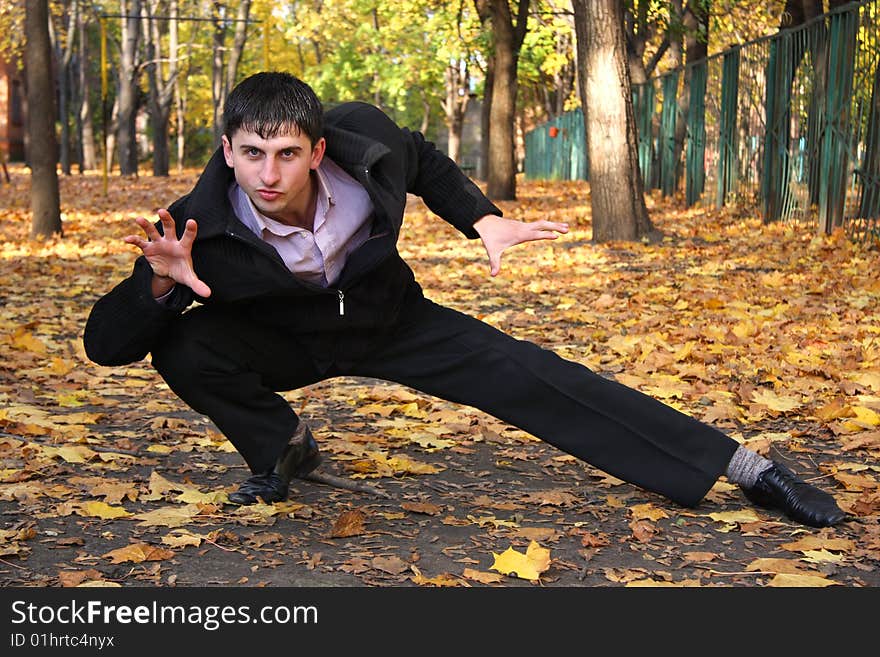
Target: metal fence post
{"x": 835, "y": 148}
{"x": 643, "y": 107}
{"x": 668, "y": 117}
{"x": 696, "y": 135}
{"x": 727, "y": 160}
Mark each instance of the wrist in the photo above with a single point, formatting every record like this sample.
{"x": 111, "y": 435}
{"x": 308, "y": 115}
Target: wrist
{"x": 484, "y": 221}
{"x": 161, "y": 285}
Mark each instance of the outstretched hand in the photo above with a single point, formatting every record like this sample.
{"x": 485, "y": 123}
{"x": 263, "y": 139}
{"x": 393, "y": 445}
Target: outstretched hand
{"x": 170, "y": 258}
{"x": 498, "y": 234}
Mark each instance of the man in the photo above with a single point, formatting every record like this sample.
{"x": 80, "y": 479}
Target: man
{"x": 288, "y": 241}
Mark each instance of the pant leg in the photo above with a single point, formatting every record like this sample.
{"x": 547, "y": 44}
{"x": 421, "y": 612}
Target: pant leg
{"x": 611, "y": 426}
{"x": 229, "y": 369}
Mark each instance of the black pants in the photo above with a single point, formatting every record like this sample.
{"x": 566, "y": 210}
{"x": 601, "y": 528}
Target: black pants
{"x": 230, "y": 369}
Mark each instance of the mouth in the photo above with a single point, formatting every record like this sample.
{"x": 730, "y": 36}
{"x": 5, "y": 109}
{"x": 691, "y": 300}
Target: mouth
{"x": 268, "y": 195}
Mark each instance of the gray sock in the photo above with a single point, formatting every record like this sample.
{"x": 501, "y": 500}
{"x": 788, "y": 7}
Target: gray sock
{"x": 745, "y": 467}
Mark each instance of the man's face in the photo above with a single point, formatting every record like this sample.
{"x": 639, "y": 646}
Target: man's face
{"x": 275, "y": 172}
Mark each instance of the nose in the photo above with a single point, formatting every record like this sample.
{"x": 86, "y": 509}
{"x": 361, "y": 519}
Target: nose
{"x": 269, "y": 174}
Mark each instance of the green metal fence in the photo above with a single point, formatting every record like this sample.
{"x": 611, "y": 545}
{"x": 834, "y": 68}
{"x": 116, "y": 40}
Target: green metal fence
{"x": 557, "y": 150}
{"x": 787, "y": 125}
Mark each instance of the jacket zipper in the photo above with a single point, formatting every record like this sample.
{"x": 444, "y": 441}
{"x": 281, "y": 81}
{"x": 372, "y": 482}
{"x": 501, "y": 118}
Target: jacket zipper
{"x": 339, "y": 293}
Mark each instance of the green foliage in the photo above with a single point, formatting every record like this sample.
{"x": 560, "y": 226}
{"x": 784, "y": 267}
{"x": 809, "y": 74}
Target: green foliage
{"x": 12, "y": 31}
{"x": 391, "y": 52}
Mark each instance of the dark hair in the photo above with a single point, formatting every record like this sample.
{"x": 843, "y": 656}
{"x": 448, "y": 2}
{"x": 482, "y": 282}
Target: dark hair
{"x": 270, "y": 102}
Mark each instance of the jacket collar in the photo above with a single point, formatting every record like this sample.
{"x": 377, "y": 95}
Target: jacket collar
{"x": 209, "y": 200}
{"x": 351, "y": 150}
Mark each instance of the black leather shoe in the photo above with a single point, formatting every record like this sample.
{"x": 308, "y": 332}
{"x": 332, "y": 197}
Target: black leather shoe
{"x": 269, "y": 486}
{"x": 779, "y": 488}
{"x": 299, "y": 458}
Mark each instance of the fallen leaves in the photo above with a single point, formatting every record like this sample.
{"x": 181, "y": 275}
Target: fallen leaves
{"x": 735, "y": 517}
{"x": 762, "y": 330}
{"x": 529, "y": 565}
{"x": 138, "y": 553}
{"x": 789, "y": 580}
{"x": 349, "y": 523}
{"x": 168, "y": 516}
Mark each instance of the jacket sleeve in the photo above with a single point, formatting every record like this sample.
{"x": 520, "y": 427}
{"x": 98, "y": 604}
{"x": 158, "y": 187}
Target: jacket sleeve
{"x": 443, "y": 186}
{"x": 126, "y": 322}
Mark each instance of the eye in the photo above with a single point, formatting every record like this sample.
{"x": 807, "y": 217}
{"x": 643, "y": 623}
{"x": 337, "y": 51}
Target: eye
{"x": 252, "y": 152}
{"x": 288, "y": 153}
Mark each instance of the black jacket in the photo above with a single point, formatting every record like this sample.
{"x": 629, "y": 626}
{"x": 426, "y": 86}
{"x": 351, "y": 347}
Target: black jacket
{"x": 248, "y": 275}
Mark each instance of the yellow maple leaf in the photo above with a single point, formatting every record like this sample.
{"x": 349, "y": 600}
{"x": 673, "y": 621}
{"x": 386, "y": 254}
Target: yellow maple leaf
{"x": 822, "y": 556}
{"x": 138, "y": 553}
{"x": 192, "y": 495}
{"x": 779, "y": 403}
{"x": 102, "y": 510}
{"x": 61, "y": 366}
{"x": 430, "y": 443}
{"x": 80, "y": 417}
{"x": 182, "y": 537}
{"x": 647, "y": 512}
{"x": 775, "y": 565}
{"x": 819, "y": 543}
{"x": 71, "y": 399}
{"x": 169, "y": 516}
{"x": 524, "y": 566}
{"x": 259, "y": 511}
{"x": 866, "y": 415}
{"x": 70, "y": 453}
{"x": 731, "y": 517}
{"x": 159, "y": 485}
{"x": 412, "y": 410}
{"x": 407, "y": 465}
{"x": 787, "y": 580}
{"x": 867, "y": 379}
{"x": 26, "y": 341}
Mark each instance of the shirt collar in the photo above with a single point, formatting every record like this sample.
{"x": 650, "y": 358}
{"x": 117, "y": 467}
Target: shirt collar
{"x": 325, "y": 196}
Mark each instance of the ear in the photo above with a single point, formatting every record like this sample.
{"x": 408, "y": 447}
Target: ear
{"x": 318, "y": 151}
{"x": 227, "y": 151}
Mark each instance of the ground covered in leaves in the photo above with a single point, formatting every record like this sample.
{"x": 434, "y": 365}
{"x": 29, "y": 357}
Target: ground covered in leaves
{"x": 769, "y": 332}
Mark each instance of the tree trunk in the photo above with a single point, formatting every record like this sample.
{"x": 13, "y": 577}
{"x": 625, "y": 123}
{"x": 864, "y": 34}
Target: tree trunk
{"x": 486, "y": 120}
{"x": 218, "y": 94}
{"x": 508, "y": 38}
{"x": 238, "y": 42}
{"x": 64, "y": 57}
{"x": 617, "y": 195}
{"x": 161, "y": 92}
{"x": 45, "y": 201}
{"x": 128, "y": 89}
{"x": 483, "y": 166}
{"x": 180, "y": 101}
{"x": 89, "y": 160}
{"x": 455, "y": 105}
{"x": 223, "y": 77}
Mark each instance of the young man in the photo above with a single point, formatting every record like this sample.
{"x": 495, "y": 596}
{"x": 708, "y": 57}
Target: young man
{"x": 288, "y": 240}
